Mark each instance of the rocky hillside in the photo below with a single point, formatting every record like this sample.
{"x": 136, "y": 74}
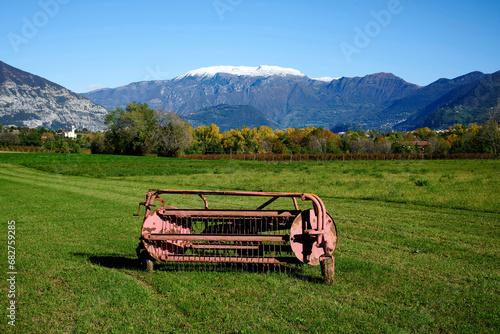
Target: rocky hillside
{"x": 32, "y": 101}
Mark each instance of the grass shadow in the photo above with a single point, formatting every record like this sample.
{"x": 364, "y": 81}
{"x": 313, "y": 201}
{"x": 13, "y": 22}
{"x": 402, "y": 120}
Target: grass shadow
{"x": 112, "y": 261}
{"x": 115, "y": 262}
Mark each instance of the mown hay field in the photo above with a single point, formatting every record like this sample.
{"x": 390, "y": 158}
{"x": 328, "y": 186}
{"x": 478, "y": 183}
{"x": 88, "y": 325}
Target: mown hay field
{"x": 418, "y": 248}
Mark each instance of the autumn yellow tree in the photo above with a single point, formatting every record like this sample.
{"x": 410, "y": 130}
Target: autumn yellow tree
{"x": 208, "y": 139}
{"x": 423, "y": 133}
{"x": 295, "y": 139}
{"x": 265, "y": 136}
{"x": 233, "y": 141}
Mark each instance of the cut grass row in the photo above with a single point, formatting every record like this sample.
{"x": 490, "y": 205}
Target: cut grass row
{"x": 459, "y": 184}
{"x": 399, "y": 267}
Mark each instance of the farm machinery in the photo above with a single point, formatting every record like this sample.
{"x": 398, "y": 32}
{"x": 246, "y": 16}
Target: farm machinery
{"x": 263, "y": 236}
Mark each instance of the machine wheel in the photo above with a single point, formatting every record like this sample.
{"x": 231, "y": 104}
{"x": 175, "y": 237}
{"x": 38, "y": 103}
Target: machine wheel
{"x": 149, "y": 265}
{"x": 304, "y": 245}
{"x": 145, "y": 261}
{"x": 327, "y": 268}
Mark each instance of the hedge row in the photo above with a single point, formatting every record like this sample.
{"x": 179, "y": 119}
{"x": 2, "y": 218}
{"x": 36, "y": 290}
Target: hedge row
{"x": 19, "y": 148}
{"x": 338, "y": 157}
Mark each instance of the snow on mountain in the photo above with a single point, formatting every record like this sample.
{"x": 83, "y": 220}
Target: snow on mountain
{"x": 325, "y": 79}
{"x": 259, "y": 71}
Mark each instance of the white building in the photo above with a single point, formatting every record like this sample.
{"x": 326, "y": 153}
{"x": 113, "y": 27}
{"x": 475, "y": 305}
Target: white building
{"x": 70, "y": 134}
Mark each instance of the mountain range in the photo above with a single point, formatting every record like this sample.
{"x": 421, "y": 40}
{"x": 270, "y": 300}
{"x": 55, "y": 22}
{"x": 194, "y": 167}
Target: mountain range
{"x": 466, "y": 99}
{"x": 236, "y": 96}
{"x": 286, "y": 96}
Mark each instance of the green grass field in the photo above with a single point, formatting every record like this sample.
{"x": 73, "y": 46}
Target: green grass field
{"x": 418, "y": 248}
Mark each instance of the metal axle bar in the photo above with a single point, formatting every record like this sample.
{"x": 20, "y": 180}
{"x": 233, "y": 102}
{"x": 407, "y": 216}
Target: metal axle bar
{"x": 231, "y": 259}
{"x": 218, "y": 237}
{"x": 210, "y": 246}
{"x": 227, "y": 213}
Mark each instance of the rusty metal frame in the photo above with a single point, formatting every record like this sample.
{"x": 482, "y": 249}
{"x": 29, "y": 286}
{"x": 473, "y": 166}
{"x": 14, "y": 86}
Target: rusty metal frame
{"x": 319, "y": 207}
{"x": 319, "y": 235}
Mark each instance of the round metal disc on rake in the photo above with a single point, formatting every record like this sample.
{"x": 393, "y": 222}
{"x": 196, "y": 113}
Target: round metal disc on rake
{"x": 157, "y": 223}
{"x": 305, "y": 245}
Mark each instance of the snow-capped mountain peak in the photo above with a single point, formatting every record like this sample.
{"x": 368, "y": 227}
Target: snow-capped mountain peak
{"x": 258, "y": 71}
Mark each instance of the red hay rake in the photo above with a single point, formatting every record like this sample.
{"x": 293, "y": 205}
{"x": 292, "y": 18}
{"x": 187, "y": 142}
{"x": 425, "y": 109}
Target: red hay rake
{"x": 267, "y": 237}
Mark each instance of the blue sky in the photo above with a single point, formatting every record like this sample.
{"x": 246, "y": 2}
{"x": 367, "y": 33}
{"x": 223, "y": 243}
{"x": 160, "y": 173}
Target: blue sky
{"x": 108, "y": 43}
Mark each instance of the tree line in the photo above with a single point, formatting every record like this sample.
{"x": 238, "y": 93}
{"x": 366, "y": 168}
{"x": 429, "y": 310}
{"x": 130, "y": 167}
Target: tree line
{"x": 44, "y": 139}
{"x": 139, "y": 130}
